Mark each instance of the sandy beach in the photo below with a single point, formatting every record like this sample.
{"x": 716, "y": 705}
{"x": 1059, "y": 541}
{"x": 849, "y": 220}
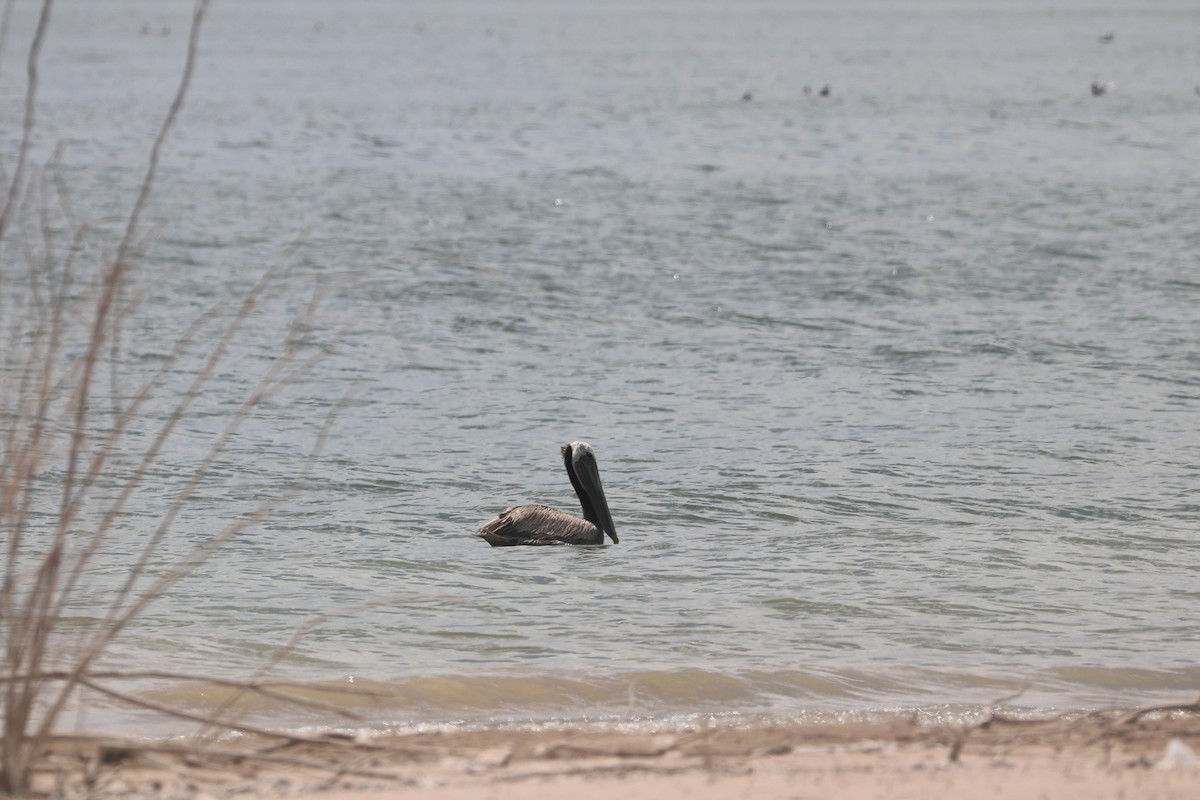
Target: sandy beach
{"x": 1086, "y": 756}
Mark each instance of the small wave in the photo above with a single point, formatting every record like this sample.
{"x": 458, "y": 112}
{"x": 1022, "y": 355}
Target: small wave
{"x": 650, "y": 697}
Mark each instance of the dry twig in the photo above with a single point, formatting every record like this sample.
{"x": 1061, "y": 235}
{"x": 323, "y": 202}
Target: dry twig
{"x": 65, "y": 330}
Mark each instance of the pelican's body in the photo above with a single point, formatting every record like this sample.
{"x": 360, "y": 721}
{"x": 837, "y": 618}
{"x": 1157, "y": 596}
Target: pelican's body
{"x": 542, "y": 525}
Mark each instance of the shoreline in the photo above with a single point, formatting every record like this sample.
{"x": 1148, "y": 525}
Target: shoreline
{"x": 1097, "y": 755}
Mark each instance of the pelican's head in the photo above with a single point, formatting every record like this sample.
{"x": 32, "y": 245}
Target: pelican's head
{"x": 580, "y": 461}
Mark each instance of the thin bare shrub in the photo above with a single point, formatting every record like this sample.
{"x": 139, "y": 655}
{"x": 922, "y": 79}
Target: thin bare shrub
{"x": 74, "y": 455}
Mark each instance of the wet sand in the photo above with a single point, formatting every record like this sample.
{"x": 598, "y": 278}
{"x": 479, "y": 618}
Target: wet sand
{"x": 1092, "y": 756}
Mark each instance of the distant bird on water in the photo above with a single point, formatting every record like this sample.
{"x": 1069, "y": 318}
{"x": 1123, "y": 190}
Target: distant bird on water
{"x": 825, "y": 91}
{"x": 1099, "y": 89}
{"x": 541, "y": 525}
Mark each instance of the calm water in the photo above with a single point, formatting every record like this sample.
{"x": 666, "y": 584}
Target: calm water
{"x": 894, "y": 392}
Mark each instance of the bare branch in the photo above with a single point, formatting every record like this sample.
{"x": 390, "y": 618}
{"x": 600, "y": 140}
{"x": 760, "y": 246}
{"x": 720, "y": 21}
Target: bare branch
{"x": 31, "y": 88}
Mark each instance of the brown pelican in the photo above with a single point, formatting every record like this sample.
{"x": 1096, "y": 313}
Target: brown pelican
{"x": 542, "y": 525}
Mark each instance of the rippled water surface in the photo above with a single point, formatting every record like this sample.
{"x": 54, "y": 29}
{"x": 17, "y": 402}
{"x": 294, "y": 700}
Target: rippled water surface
{"x": 894, "y": 392}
